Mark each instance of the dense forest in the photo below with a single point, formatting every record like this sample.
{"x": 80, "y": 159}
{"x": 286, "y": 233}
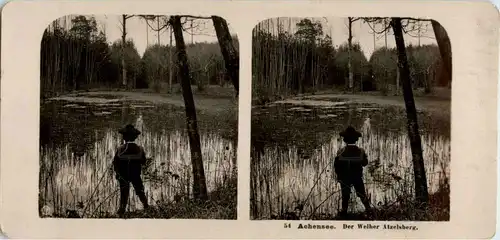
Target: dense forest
{"x": 287, "y": 62}
{"x": 75, "y": 55}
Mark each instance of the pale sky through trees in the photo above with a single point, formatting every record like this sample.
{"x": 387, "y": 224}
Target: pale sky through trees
{"x": 337, "y": 28}
{"x": 333, "y": 26}
{"x": 143, "y": 35}
{"x": 363, "y": 34}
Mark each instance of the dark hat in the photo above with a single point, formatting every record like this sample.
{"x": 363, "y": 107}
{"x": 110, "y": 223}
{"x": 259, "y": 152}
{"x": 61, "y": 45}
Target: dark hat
{"x": 350, "y": 132}
{"x": 129, "y": 130}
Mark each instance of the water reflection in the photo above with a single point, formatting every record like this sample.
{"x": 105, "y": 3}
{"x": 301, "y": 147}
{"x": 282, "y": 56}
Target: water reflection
{"x": 78, "y": 143}
{"x": 292, "y": 157}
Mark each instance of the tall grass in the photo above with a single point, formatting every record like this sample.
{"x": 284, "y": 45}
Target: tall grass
{"x": 283, "y": 181}
{"x": 87, "y": 183}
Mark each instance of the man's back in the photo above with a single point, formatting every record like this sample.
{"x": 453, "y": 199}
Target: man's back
{"x": 349, "y": 162}
{"x": 128, "y": 159}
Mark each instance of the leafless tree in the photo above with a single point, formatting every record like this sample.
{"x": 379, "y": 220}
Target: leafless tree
{"x": 400, "y": 26}
{"x": 199, "y": 182}
{"x": 444, "y": 45}
{"x": 163, "y": 23}
{"x": 124, "y": 42}
{"x": 177, "y": 24}
{"x": 350, "y": 20}
{"x": 231, "y": 56}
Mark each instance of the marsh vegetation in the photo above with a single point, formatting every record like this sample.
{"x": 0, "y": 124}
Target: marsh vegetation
{"x": 75, "y": 165}
{"x": 90, "y": 88}
{"x": 305, "y": 90}
{"x": 295, "y": 143}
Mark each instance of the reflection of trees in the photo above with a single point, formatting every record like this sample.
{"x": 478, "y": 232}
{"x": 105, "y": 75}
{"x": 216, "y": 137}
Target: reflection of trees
{"x": 273, "y": 79}
{"x": 58, "y": 130}
{"x": 126, "y": 59}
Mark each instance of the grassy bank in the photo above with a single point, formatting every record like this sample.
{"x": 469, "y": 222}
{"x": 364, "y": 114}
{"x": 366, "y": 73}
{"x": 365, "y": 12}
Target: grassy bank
{"x": 220, "y": 205}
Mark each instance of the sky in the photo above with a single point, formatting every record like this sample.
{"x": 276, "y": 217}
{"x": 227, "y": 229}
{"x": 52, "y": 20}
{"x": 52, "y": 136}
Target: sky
{"x": 363, "y": 34}
{"x": 337, "y": 28}
{"x": 142, "y": 35}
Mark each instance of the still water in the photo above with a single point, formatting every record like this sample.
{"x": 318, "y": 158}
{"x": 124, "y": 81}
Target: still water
{"x": 79, "y": 138}
{"x": 294, "y": 144}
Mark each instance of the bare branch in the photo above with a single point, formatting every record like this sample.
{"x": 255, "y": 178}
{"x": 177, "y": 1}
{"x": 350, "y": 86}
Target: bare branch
{"x": 200, "y": 34}
{"x": 418, "y": 19}
{"x": 164, "y": 26}
{"x": 408, "y": 24}
{"x": 354, "y": 19}
{"x": 167, "y": 23}
{"x": 147, "y": 17}
{"x": 188, "y": 28}
{"x": 195, "y": 17}
{"x": 421, "y": 36}
{"x": 374, "y": 19}
{"x": 386, "y": 28}
{"x": 128, "y": 16}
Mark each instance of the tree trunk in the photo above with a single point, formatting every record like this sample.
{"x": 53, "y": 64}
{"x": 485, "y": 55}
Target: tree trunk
{"x": 385, "y": 32}
{"x": 398, "y": 78}
{"x": 147, "y": 32}
{"x": 231, "y": 56}
{"x": 374, "y": 38}
{"x": 349, "y": 56}
{"x": 192, "y": 35}
{"x": 159, "y": 79}
{"x": 421, "y": 192}
{"x": 124, "y": 36}
{"x": 171, "y": 69}
{"x": 427, "y": 81}
{"x": 444, "y": 45}
{"x": 158, "y": 27}
{"x": 199, "y": 182}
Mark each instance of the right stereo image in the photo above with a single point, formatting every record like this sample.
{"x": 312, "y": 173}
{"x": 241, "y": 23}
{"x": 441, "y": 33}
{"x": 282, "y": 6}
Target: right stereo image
{"x": 350, "y": 119}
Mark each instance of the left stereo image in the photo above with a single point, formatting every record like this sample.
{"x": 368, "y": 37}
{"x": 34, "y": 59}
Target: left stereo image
{"x": 138, "y": 117}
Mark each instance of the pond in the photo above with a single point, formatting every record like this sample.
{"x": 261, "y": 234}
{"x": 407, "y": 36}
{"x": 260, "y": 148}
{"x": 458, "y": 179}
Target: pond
{"x": 78, "y": 139}
{"x": 294, "y": 143}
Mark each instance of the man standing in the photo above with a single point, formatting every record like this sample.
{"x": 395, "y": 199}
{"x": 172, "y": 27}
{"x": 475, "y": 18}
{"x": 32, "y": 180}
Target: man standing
{"x": 127, "y": 163}
{"x": 348, "y": 165}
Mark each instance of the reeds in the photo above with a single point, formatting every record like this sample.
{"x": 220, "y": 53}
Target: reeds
{"x": 87, "y": 183}
{"x": 282, "y": 181}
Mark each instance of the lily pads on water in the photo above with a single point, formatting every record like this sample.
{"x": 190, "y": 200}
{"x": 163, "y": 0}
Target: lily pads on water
{"x": 312, "y": 103}
{"x": 142, "y": 106}
{"x": 74, "y": 106}
{"x": 102, "y": 113}
{"x": 328, "y": 116}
